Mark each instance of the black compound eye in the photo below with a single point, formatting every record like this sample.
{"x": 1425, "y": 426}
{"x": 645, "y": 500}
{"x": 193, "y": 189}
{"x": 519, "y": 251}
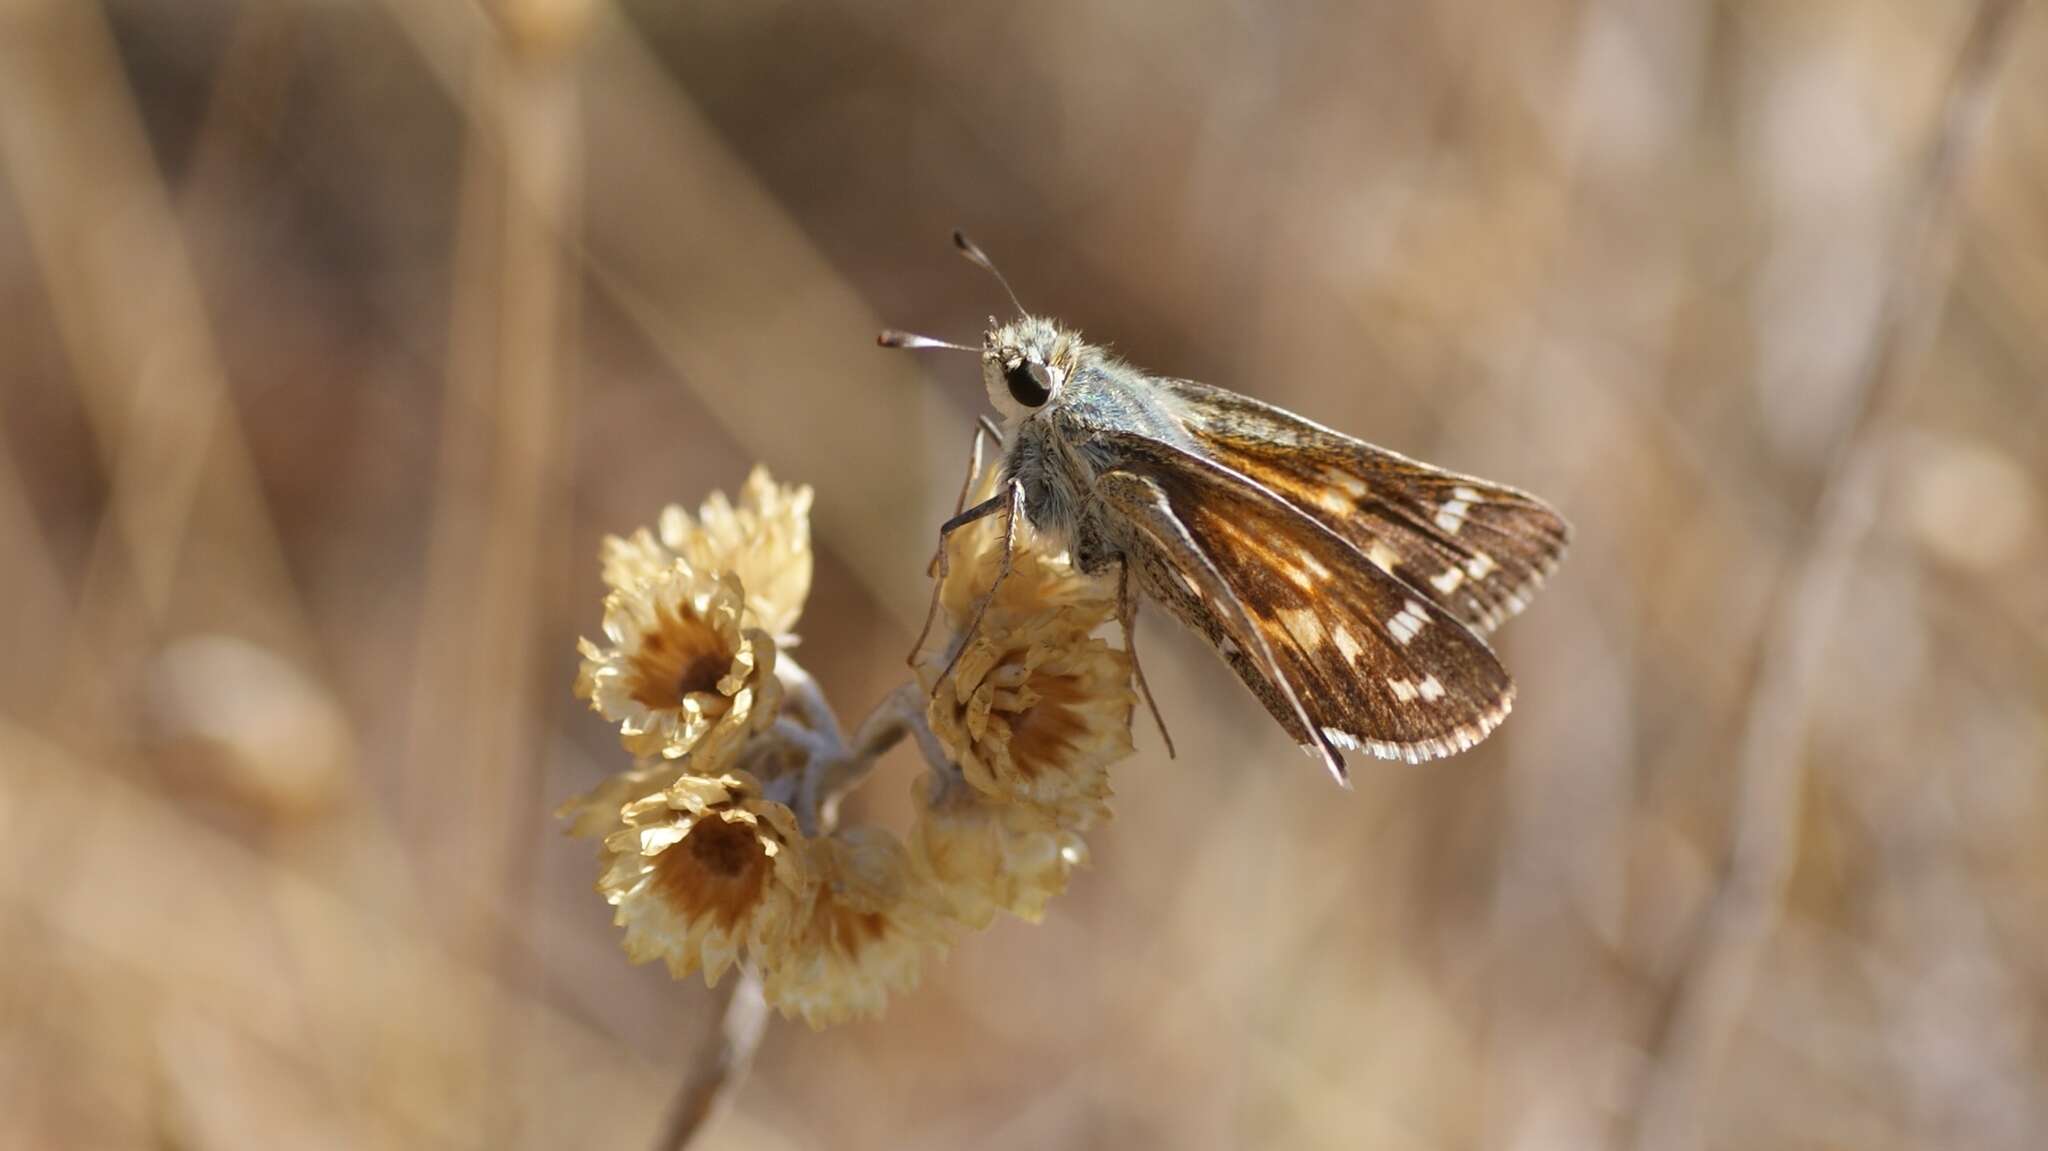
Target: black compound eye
{"x": 1030, "y": 384}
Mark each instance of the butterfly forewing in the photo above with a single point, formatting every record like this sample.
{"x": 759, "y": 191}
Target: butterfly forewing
{"x": 1475, "y": 548}
{"x": 1374, "y": 664}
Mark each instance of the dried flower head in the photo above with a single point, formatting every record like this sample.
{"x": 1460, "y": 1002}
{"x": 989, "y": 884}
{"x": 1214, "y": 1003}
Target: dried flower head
{"x": 682, "y": 673}
{"x": 704, "y": 869}
{"x": 985, "y": 855}
{"x": 870, "y": 925}
{"x": 1035, "y": 711}
{"x": 627, "y": 561}
{"x": 765, "y": 540}
{"x": 599, "y": 812}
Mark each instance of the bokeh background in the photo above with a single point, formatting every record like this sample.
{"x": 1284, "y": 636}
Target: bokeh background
{"x": 335, "y": 333}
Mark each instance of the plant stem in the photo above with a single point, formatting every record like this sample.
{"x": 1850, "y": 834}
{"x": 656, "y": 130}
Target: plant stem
{"x": 827, "y": 781}
{"x": 721, "y": 1064}
{"x": 832, "y": 769}
{"x": 805, "y": 697}
{"x": 1707, "y": 1000}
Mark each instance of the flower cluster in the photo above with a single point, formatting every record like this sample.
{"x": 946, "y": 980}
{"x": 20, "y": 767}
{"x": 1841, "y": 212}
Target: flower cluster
{"x": 717, "y": 844}
{"x": 1031, "y": 708}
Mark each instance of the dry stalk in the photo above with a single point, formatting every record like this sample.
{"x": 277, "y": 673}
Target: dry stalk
{"x": 499, "y": 503}
{"x": 149, "y": 379}
{"x": 1707, "y": 1000}
{"x": 720, "y": 1066}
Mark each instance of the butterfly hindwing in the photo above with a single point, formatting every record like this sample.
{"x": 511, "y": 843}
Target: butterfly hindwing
{"x": 1373, "y": 664}
{"x": 1476, "y": 548}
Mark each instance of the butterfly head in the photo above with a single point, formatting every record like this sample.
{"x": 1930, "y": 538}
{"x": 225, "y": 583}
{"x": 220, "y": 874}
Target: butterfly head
{"x": 1026, "y": 363}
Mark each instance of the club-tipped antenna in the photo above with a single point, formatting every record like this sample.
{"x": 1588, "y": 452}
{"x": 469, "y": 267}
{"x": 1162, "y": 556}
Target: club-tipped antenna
{"x": 891, "y": 338}
{"x": 969, "y": 250}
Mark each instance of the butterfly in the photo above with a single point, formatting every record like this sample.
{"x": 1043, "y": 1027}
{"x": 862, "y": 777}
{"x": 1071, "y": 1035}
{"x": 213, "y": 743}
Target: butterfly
{"x": 1349, "y": 587}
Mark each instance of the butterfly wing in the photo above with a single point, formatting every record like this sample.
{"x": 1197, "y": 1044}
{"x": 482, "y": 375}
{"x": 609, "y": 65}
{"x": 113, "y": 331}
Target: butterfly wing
{"x": 1477, "y": 549}
{"x": 1343, "y": 654}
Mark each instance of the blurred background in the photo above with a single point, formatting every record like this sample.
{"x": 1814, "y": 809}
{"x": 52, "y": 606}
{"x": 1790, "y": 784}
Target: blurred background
{"x": 335, "y": 333}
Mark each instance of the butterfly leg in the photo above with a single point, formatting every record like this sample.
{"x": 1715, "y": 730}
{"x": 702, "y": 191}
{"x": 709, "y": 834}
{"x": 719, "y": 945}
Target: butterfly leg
{"x": 1146, "y": 506}
{"x": 1127, "y": 616}
{"x": 1010, "y": 502}
{"x": 983, "y": 426}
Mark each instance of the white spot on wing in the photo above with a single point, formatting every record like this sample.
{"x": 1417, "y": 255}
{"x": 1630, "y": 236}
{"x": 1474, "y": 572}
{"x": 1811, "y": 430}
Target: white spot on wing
{"x": 1351, "y": 485}
{"x": 1307, "y": 573}
{"x": 1480, "y": 565}
{"x": 1382, "y": 556}
{"x": 1430, "y": 690}
{"x": 1408, "y": 622}
{"x": 1448, "y": 581}
{"x": 1303, "y": 625}
{"x": 1334, "y": 502}
{"x": 1451, "y": 742}
{"x": 1451, "y": 516}
{"x": 1346, "y": 643}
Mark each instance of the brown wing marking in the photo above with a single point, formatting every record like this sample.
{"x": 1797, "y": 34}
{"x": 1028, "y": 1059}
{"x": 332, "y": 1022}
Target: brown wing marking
{"x": 1233, "y": 631}
{"x": 1477, "y": 548}
{"x": 1374, "y": 664}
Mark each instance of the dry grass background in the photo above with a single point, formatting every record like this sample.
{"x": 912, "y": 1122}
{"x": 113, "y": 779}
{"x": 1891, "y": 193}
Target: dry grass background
{"x": 335, "y": 333}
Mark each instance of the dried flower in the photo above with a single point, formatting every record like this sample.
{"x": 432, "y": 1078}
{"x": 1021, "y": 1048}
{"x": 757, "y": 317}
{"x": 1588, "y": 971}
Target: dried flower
{"x": 765, "y": 540}
{"x": 1035, "y": 711}
{"x": 682, "y": 672}
{"x": 598, "y": 812}
{"x": 985, "y": 856}
{"x": 704, "y": 869}
{"x": 628, "y": 561}
{"x": 869, "y": 927}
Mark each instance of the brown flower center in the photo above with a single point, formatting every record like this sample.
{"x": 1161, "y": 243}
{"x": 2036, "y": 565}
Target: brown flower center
{"x": 1046, "y": 733}
{"x": 719, "y": 870}
{"x": 851, "y": 930}
{"x": 681, "y": 656}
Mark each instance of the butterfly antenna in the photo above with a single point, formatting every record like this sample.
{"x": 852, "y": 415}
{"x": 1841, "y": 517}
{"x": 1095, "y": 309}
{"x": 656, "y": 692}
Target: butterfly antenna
{"x": 891, "y": 338}
{"x": 969, "y": 250}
